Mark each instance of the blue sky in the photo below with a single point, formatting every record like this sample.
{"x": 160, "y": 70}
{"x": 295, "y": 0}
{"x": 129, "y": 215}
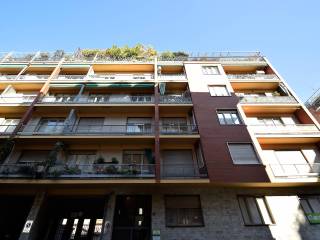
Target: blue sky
{"x": 287, "y": 32}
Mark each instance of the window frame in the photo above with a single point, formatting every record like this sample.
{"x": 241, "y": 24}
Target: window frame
{"x": 220, "y": 111}
{"x": 204, "y": 72}
{"x": 183, "y": 195}
{"x": 219, "y": 85}
{"x": 259, "y": 162}
{"x": 263, "y": 224}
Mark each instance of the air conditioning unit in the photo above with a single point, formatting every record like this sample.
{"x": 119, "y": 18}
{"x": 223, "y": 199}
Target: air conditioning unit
{"x": 260, "y": 72}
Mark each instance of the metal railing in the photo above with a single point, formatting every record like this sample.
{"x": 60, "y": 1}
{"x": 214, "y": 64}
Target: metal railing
{"x": 173, "y": 77}
{"x": 89, "y": 129}
{"x": 182, "y": 171}
{"x": 107, "y": 170}
{"x": 11, "y": 99}
{"x": 266, "y": 77}
{"x": 95, "y": 99}
{"x": 268, "y": 99}
{"x": 33, "y": 77}
{"x": 285, "y": 129}
{"x": 175, "y": 99}
{"x": 178, "y": 129}
{"x": 70, "y": 77}
{"x": 295, "y": 170}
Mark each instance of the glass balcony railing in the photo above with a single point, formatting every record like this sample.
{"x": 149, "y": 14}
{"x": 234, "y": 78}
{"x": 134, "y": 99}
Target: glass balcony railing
{"x": 33, "y": 77}
{"x": 18, "y": 57}
{"x": 264, "y": 77}
{"x": 8, "y": 77}
{"x": 88, "y": 129}
{"x": 102, "y": 99}
{"x": 70, "y": 77}
{"x": 119, "y": 77}
{"x": 285, "y": 129}
{"x": 108, "y": 170}
{"x": 16, "y": 99}
{"x": 178, "y": 129}
{"x": 175, "y": 99}
{"x": 7, "y": 129}
{"x": 268, "y": 99}
{"x": 172, "y": 77}
{"x": 183, "y": 171}
{"x": 295, "y": 170}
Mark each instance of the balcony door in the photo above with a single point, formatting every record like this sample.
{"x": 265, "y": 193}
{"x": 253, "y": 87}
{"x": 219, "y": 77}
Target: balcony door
{"x": 139, "y": 125}
{"x": 177, "y": 163}
{"x": 51, "y": 125}
{"x": 90, "y": 125}
{"x": 173, "y": 125}
{"x": 8, "y": 125}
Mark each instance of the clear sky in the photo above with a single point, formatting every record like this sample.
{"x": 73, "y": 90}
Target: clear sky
{"x": 286, "y": 31}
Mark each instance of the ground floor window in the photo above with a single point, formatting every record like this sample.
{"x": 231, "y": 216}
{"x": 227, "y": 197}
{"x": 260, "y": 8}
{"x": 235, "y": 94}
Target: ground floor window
{"x": 183, "y": 211}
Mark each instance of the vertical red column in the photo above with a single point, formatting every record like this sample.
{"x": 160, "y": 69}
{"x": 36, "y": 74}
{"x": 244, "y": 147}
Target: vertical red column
{"x": 156, "y": 130}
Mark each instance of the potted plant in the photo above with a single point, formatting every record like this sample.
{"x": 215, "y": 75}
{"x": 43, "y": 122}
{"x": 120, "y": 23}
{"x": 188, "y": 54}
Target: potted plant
{"x": 114, "y": 160}
{"x": 99, "y": 160}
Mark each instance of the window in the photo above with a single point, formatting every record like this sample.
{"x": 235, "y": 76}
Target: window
{"x": 183, "y": 211}
{"x": 90, "y": 125}
{"x": 134, "y": 157}
{"x": 33, "y": 156}
{"x": 81, "y": 157}
{"x": 311, "y": 208}
{"x": 8, "y": 125}
{"x": 243, "y": 153}
{"x": 139, "y": 125}
{"x": 173, "y": 125}
{"x": 271, "y": 121}
{"x": 218, "y": 91}
{"x": 228, "y": 117}
{"x": 210, "y": 70}
{"x": 255, "y": 210}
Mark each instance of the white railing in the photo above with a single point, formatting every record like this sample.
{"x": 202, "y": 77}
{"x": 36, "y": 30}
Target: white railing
{"x": 70, "y": 77}
{"x": 121, "y": 77}
{"x": 16, "y": 99}
{"x": 295, "y": 170}
{"x": 175, "y": 99}
{"x": 265, "y": 77}
{"x": 8, "y": 77}
{"x": 285, "y": 129}
{"x": 267, "y": 99}
{"x": 172, "y": 77}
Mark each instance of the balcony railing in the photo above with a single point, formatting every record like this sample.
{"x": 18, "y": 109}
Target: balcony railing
{"x": 18, "y": 57}
{"x": 175, "y": 99}
{"x": 16, "y": 99}
{"x": 264, "y": 77}
{"x": 7, "y": 77}
{"x": 108, "y": 170}
{"x": 285, "y": 129}
{"x": 120, "y": 77}
{"x": 89, "y": 129}
{"x": 33, "y": 77}
{"x": 178, "y": 129}
{"x": 295, "y": 170}
{"x": 184, "y": 171}
{"x": 103, "y": 99}
{"x": 7, "y": 129}
{"x": 172, "y": 77}
{"x": 268, "y": 99}
{"x": 70, "y": 77}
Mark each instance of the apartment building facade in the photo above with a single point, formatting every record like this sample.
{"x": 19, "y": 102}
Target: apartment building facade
{"x": 215, "y": 147}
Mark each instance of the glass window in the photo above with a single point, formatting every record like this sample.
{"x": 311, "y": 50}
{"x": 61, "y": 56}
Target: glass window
{"x": 243, "y": 153}
{"x": 218, "y": 90}
{"x": 51, "y": 125}
{"x": 255, "y": 210}
{"x": 183, "y": 211}
{"x": 33, "y": 156}
{"x": 210, "y": 70}
{"x": 134, "y": 157}
{"x": 311, "y": 207}
{"x": 228, "y": 117}
{"x": 81, "y": 157}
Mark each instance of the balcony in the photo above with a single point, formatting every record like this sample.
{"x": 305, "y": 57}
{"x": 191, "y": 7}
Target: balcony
{"x": 175, "y": 99}
{"x": 70, "y": 77}
{"x": 108, "y": 170}
{"x": 268, "y": 100}
{"x": 7, "y": 129}
{"x": 18, "y": 57}
{"x": 121, "y": 77}
{"x": 8, "y": 77}
{"x": 295, "y": 170}
{"x": 17, "y": 99}
{"x": 99, "y": 99}
{"x": 178, "y": 129}
{"x": 293, "y": 129}
{"x": 172, "y": 77}
{"x": 182, "y": 171}
{"x": 79, "y": 129}
{"x": 253, "y": 77}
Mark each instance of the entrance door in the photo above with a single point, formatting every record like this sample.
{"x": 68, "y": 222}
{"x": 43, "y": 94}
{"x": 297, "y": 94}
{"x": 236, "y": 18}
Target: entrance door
{"x": 132, "y": 218}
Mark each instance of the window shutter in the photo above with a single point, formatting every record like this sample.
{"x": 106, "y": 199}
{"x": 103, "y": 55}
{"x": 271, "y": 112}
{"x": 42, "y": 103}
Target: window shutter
{"x": 243, "y": 153}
